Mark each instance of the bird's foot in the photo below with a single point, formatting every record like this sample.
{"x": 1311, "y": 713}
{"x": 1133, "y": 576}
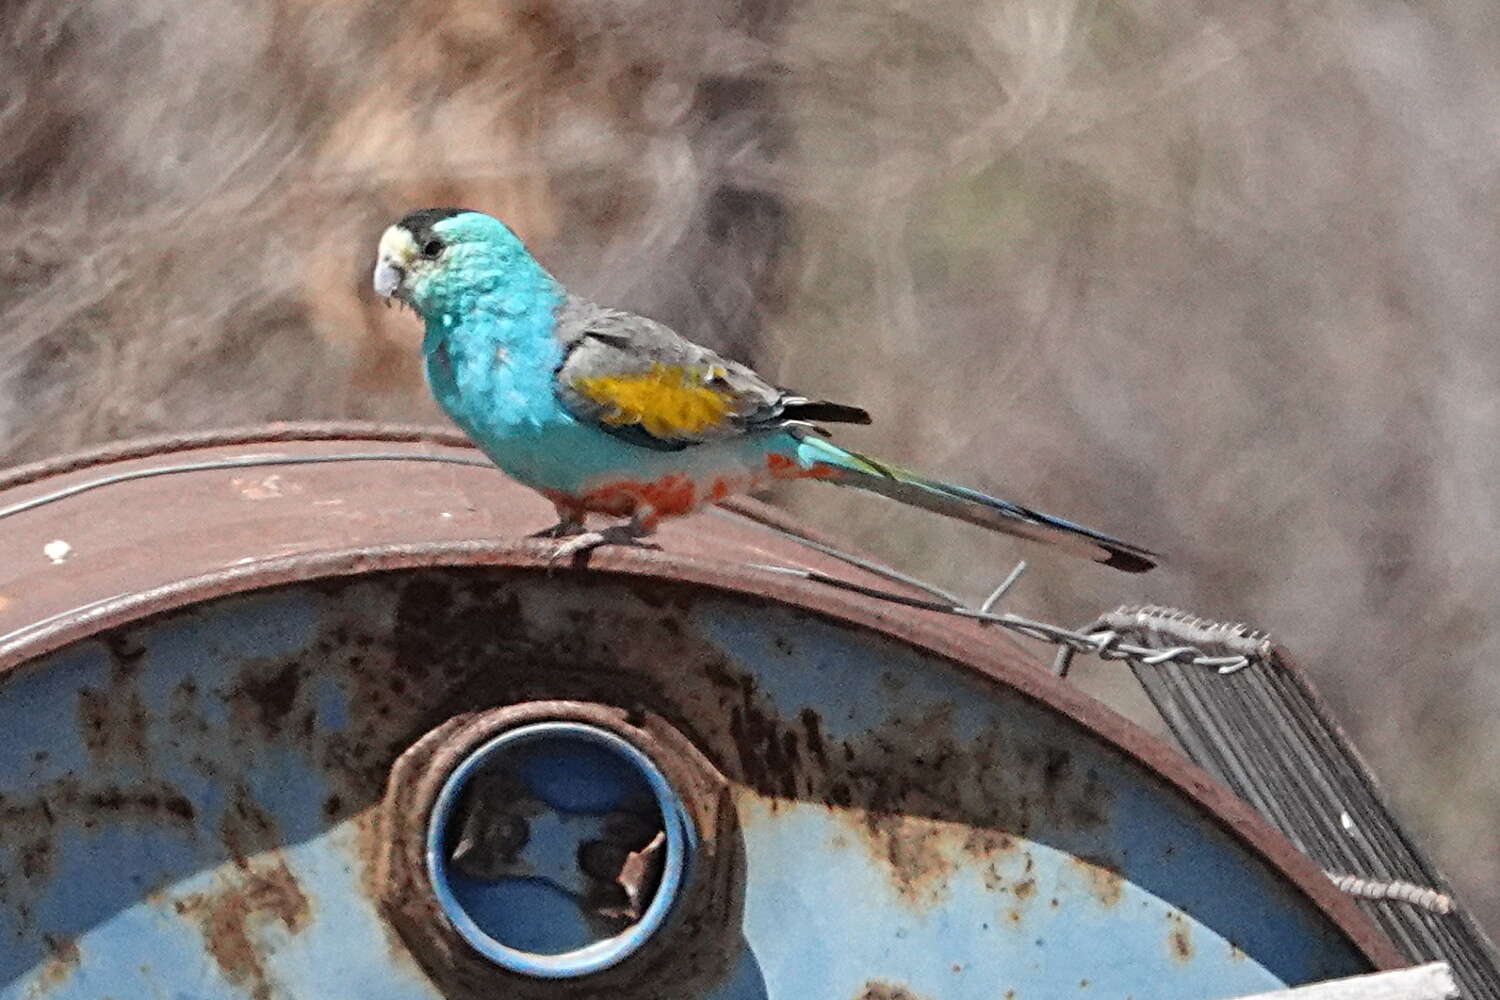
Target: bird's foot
{"x": 587, "y": 541}
{"x": 565, "y": 528}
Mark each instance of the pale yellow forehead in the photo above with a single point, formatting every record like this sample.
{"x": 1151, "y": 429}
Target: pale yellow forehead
{"x": 397, "y": 244}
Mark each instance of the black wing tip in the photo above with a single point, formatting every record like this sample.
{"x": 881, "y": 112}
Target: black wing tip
{"x": 833, "y": 413}
{"x": 1130, "y": 560}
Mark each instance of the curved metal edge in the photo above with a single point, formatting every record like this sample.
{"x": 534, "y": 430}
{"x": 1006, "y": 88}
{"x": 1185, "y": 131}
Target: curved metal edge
{"x": 921, "y": 630}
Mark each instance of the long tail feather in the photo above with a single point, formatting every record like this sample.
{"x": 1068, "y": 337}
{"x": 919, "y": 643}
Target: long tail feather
{"x": 863, "y": 472}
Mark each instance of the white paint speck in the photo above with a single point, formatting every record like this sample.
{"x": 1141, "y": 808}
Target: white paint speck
{"x": 1347, "y": 822}
{"x": 447, "y": 515}
{"x": 265, "y": 488}
{"x": 58, "y": 551}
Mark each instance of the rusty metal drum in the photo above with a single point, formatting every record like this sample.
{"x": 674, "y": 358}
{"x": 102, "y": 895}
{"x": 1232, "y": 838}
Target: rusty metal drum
{"x": 299, "y": 712}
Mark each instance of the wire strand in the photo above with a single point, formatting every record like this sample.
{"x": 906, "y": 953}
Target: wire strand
{"x": 242, "y": 462}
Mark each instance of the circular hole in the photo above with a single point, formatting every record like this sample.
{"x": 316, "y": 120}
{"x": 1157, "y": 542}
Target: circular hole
{"x": 557, "y": 848}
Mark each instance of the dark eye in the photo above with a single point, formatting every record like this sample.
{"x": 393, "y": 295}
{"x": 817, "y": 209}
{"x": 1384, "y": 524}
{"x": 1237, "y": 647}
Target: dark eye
{"x": 432, "y": 248}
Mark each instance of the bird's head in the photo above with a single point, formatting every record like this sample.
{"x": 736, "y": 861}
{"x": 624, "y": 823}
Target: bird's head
{"x": 443, "y": 260}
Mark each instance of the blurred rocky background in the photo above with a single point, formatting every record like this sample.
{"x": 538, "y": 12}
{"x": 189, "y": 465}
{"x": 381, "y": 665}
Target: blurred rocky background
{"x": 1221, "y": 277}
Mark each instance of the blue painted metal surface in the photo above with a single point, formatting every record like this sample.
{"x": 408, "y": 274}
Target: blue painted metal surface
{"x": 188, "y": 804}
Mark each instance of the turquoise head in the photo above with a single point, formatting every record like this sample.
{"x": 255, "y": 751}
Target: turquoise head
{"x": 449, "y": 262}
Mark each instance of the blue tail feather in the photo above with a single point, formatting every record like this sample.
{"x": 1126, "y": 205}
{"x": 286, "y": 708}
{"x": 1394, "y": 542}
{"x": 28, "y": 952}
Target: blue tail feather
{"x": 965, "y": 504}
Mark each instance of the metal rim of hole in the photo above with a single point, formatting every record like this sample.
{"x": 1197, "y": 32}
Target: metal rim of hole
{"x": 606, "y": 952}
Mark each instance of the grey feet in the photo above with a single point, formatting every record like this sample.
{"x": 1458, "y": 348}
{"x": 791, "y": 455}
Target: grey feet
{"x": 583, "y": 542}
{"x": 565, "y": 528}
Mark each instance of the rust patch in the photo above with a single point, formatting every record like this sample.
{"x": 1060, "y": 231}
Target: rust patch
{"x": 1069, "y": 799}
{"x": 270, "y": 695}
{"x": 246, "y": 829}
{"x": 149, "y": 801}
{"x": 261, "y": 892}
{"x": 758, "y": 738}
{"x": 912, "y": 848}
{"x": 879, "y": 989}
{"x": 1102, "y": 877}
{"x": 983, "y": 844}
{"x": 183, "y": 713}
{"x": 1025, "y": 889}
{"x": 126, "y": 652}
{"x": 36, "y": 858}
{"x": 62, "y": 959}
{"x": 113, "y": 723}
{"x": 69, "y": 802}
{"x": 1179, "y": 938}
{"x": 812, "y": 725}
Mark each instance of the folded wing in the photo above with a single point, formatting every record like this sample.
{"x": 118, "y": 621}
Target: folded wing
{"x": 641, "y": 381}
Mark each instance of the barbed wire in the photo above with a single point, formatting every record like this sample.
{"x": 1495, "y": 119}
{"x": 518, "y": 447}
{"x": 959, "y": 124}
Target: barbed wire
{"x": 1106, "y": 643}
{"x": 1395, "y": 891}
{"x": 1105, "y": 639}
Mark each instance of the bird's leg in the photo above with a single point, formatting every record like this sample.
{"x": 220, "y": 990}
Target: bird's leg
{"x": 632, "y": 532}
{"x": 569, "y": 523}
{"x": 565, "y": 528}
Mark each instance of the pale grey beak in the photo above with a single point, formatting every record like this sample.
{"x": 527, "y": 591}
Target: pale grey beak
{"x": 387, "y": 278}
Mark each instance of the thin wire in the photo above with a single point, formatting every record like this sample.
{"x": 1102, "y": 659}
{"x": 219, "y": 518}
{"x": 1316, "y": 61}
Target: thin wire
{"x": 1107, "y": 645}
{"x": 247, "y": 461}
{"x": 859, "y": 562}
{"x": 1005, "y": 585}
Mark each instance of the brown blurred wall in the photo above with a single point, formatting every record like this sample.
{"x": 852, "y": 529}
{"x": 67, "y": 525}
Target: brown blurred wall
{"x": 1220, "y": 277}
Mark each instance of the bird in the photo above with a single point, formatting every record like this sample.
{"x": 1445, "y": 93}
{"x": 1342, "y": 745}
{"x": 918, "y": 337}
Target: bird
{"x": 606, "y": 412}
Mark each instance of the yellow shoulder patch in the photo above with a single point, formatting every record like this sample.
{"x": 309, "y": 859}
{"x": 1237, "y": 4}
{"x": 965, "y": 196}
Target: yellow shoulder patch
{"x": 667, "y": 400}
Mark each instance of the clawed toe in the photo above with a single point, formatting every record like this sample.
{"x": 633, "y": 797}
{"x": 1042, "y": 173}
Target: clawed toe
{"x": 588, "y": 541}
{"x": 562, "y": 529}
{"x": 585, "y": 541}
